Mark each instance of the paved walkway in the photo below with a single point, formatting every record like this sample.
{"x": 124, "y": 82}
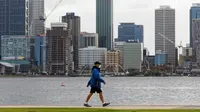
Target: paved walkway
{"x": 156, "y": 107}
{"x": 116, "y": 107}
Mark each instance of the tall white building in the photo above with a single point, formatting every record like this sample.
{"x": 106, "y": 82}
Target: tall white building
{"x": 36, "y": 12}
{"x": 133, "y": 55}
{"x": 165, "y": 31}
{"x": 88, "y": 39}
{"x": 89, "y": 55}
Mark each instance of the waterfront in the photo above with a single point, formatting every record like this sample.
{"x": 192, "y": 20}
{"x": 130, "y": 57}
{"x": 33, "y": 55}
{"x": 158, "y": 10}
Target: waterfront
{"x": 118, "y": 91}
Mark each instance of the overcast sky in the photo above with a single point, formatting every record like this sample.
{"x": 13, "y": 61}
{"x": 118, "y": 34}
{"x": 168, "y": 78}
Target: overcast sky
{"x": 138, "y": 11}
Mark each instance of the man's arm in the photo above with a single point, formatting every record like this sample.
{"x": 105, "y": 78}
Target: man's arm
{"x": 88, "y": 84}
{"x": 97, "y": 76}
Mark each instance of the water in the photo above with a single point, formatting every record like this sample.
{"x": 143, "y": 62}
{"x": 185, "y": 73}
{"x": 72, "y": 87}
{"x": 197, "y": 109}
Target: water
{"x": 118, "y": 91}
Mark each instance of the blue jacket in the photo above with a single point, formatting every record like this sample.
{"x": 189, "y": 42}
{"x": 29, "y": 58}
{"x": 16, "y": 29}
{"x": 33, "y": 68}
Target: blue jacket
{"x": 95, "y": 80}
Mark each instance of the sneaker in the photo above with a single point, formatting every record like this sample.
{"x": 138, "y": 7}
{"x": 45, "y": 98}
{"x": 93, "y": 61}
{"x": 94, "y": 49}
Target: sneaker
{"x": 106, "y": 104}
{"x": 87, "y": 105}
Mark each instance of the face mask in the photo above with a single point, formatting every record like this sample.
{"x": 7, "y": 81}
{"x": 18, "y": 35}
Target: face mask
{"x": 99, "y": 66}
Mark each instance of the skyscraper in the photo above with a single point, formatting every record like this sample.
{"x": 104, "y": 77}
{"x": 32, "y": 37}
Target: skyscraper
{"x": 130, "y": 31}
{"x": 165, "y": 31}
{"x": 60, "y": 49}
{"x": 104, "y": 23}
{"x": 13, "y": 17}
{"x": 74, "y": 25}
{"x": 36, "y": 11}
{"x": 194, "y": 14}
{"x": 196, "y": 38}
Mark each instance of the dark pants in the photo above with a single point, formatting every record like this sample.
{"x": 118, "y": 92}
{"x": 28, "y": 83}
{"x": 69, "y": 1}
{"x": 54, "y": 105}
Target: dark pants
{"x": 94, "y": 90}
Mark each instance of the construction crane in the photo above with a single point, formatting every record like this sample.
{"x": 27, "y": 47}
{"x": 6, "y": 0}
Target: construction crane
{"x": 179, "y": 46}
{"x": 43, "y": 19}
{"x": 56, "y": 6}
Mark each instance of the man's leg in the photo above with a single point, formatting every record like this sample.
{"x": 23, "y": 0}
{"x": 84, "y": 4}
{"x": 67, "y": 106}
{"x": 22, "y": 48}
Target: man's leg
{"x": 92, "y": 91}
{"x": 102, "y": 98}
{"x": 88, "y": 97}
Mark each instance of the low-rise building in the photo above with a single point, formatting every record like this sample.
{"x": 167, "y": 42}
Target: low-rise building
{"x": 145, "y": 52}
{"x": 185, "y": 60}
{"x": 88, "y": 39}
{"x": 161, "y": 58}
{"x": 15, "y": 46}
{"x": 133, "y": 55}
{"x": 113, "y": 61}
{"x": 6, "y": 68}
{"x": 89, "y": 55}
{"x": 18, "y": 65}
{"x": 151, "y": 60}
{"x": 120, "y": 46}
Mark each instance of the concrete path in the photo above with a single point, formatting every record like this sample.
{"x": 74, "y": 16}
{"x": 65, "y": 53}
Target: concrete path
{"x": 117, "y": 107}
{"x": 156, "y": 107}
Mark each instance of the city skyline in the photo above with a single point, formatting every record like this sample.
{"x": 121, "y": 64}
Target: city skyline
{"x": 122, "y": 14}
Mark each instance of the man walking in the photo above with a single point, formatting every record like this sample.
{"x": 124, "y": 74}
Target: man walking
{"x": 95, "y": 84}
